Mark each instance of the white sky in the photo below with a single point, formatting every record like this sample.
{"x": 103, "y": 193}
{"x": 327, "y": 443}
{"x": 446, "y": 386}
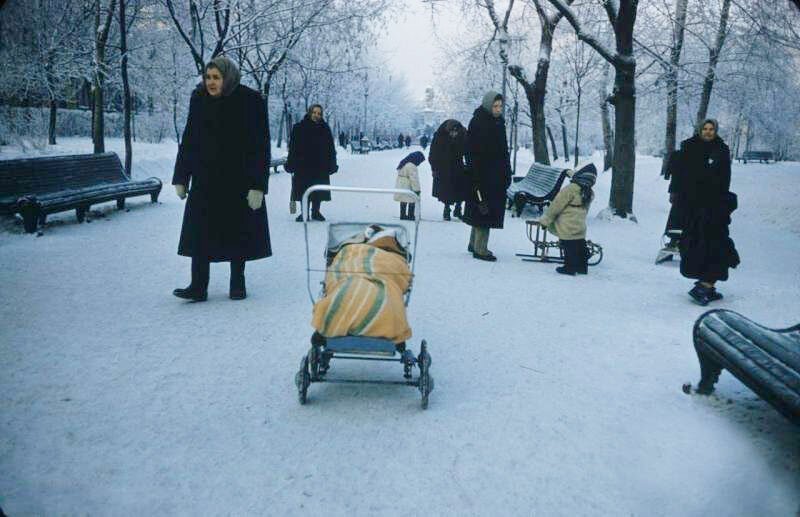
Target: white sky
{"x": 409, "y": 45}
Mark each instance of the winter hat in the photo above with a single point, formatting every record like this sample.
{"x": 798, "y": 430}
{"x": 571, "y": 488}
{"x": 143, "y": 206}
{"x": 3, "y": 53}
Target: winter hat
{"x": 416, "y": 158}
{"x": 489, "y": 98}
{"x": 585, "y": 176}
{"x": 230, "y": 73}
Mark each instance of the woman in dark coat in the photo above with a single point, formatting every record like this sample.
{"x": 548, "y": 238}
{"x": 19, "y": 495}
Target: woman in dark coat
{"x": 707, "y": 250}
{"x": 311, "y": 160}
{"x": 490, "y": 167}
{"x": 450, "y": 183}
{"x": 222, "y": 161}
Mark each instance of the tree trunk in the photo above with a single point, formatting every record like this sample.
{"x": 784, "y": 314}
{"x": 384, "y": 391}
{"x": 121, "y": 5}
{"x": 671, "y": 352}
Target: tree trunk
{"x": 621, "y": 201}
{"x": 564, "y": 135}
{"x": 51, "y": 130}
{"x": 126, "y": 89}
{"x": 577, "y": 126}
{"x": 267, "y": 86}
{"x": 552, "y": 144}
{"x": 101, "y": 38}
{"x": 670, "y": 137}
{"x": 280, "y": 127}
{"x": 713, "y": 58}
{"x": 605, "y": 117}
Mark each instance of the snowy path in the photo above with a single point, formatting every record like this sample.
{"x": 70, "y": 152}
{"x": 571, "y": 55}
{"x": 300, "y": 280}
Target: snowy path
{"x": 554, "y": 396}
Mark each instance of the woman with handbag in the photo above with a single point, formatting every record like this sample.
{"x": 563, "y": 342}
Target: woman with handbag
{"x": 489, "y": 166}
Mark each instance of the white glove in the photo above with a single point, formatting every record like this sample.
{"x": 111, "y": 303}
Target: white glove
{"x": 254, "y": 199}
{"x": 180, "y": 190}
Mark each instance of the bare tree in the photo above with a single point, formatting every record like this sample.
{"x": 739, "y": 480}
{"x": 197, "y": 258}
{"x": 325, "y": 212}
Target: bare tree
{"x": 713, "y": 59}
{"x": 622, "y": 17}
{"x": 102, "y": 28}
{"x": 536, "y": 91}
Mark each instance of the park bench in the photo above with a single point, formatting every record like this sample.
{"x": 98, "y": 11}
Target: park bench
{"x": 278, "y": 162}
{"x": 355, "y": 147}
{"x": 537, "y": 188}
{"x": 766, "y": 360}
{"x": 760, "y": 156}
{"x": 36, "y": 187}
{"x": 366, "y": 145}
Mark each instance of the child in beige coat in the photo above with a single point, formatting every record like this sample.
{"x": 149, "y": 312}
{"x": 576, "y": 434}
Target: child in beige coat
{"x": 566, "y": 218}
{"x": 408, "y": 178}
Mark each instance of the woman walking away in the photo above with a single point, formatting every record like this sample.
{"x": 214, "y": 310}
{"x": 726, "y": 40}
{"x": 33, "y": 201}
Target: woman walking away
{"x": 450, "y": 185}
{"x": 707, "y": 251}
{"x": 311, "y": 160}
{"x": 222, "y": 161}
{"x": 566, "y": 218}
{"x": 490, "y": 169}
{"x": 408, "y": 178}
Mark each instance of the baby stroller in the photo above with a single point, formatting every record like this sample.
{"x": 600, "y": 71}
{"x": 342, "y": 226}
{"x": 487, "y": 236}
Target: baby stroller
{"x": 315, "y": 365}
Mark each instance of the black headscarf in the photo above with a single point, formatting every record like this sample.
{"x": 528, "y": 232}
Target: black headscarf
{"x": 416, "y": 158}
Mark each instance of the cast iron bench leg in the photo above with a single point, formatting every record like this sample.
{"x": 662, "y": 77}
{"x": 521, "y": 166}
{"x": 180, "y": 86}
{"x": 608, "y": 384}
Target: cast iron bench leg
{"x": 709, "y": 374}
{"x": 154, "y": 196}
{"x": 80, "y": 213}
{"x": 121, "y": 203}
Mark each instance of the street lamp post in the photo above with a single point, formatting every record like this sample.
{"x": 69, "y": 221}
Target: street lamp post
{"x": 366, "y": 94}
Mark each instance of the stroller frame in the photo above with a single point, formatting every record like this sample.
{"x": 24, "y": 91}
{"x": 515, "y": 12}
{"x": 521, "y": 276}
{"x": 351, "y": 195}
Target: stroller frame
{"x": 315, "y": 364}
{"x": 542, "y": 247}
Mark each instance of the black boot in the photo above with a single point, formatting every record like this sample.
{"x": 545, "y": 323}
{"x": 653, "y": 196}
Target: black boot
{"x": 315, "y": 213}
{"x": 198, "y": 289}
{"x": 446, "y": 214}
{"x": 700, "y": 294}
{"x": 237, "y": 287}
{"x": 457, "y": 211}
{"x": 403, "y": 211}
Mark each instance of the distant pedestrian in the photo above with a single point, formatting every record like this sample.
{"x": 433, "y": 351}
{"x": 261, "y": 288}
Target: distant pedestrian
{"x": 423, "y": 141}
{"x": 408, "y": 140}
{"x": 311, "y": 160}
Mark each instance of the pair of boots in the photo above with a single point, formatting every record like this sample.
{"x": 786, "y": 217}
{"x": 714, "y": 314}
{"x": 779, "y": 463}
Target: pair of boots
{"x": 703, "y": 295}
{"x": 479, "y": 244}
{"x": 456, "y": 212}
{"x": 407, "y": 211}
{"x": 576, "y": 257}
{"x": 198, "y": 289}
{"x": 315, "y": 213}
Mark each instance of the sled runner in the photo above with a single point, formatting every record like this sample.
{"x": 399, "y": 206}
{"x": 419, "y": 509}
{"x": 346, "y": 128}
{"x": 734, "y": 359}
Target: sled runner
{"x": 669, "y": 246}
{"x": 360, "y": 312}
{"x": 550, "y": 250}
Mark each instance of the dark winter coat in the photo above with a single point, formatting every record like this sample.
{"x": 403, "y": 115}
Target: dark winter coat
{"x": 312, "y": 158}
{"x": 674, "y": 173}
{"x": 702, "y": 185}
{"x": 222, "y": 155}
{"x": 450, "y": 182}
{"x": 489, "y": 166}
{"x": 423, "y": 141}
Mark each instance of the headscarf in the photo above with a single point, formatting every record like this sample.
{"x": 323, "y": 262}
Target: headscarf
{"x": 585, "y": 178}
{"x": 311, "y": 108}
{"x": 488, "y": 100}
{"x": 416, "y": 158}
{"x": 711, "y": 121}
{"x": 450, "y": 125}
{"x": 229, "y": 71}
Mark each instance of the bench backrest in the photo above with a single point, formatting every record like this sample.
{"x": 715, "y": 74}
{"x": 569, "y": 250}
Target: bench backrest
{"x": 543, "y": 181}
{"x": 757, "y": 155}
{"x": 31, "y": 176}
{"x": 355, "y": 145}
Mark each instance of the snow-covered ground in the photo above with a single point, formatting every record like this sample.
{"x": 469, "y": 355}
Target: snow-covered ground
{"x": 554, "y": 395}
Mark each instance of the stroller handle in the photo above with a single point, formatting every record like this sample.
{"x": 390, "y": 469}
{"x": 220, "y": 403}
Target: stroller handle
{"x": 358, "y": 190}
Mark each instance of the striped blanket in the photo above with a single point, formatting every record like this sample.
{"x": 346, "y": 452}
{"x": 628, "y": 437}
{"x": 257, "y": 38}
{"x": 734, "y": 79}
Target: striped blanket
{"x": 364, "y": 287}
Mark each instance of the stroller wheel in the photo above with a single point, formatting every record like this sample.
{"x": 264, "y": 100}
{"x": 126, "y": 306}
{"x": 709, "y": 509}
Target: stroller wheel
{"x": 313, "y": 362}
{"x": 302, "y": 379}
